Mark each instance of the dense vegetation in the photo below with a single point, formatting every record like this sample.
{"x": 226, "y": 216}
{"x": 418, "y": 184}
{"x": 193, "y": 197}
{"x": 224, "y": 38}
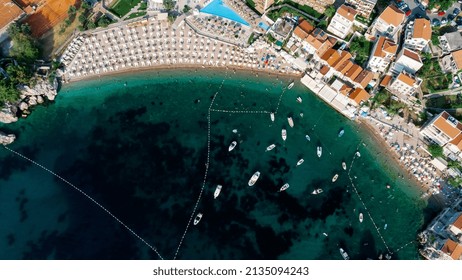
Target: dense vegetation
{"x": 442, "y": 5}
{"x": 361, "y": 49}
{"x": 433, "y": 77}
{"x": 123, "y": 7}
{"x": 306, "y": 9}
{"x": 435, "y": 150}
{"x": 384, "y": 98}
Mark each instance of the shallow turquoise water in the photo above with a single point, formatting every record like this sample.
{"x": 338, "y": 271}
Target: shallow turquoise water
{"x": 138, "y": 145}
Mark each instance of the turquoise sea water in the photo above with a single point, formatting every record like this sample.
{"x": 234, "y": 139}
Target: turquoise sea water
{"x": 137, "y": 144}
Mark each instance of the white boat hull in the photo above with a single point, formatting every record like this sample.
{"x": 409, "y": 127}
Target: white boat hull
{"x": 217, "y": 192}
{"x": 254, "y": 178}
{"x": 284, "y": 134}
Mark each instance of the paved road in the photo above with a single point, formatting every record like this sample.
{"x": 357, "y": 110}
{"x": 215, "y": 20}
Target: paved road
{"x": 417, "y": 10}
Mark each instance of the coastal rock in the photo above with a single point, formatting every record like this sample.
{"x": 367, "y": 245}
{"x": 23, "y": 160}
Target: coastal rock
{"x": 32, "y": 101}
{"x": 42, "y": 87}
{"x": 6, "y": 139}
{"x": 40, "y": 99}
{"x": 8, "y": 114}
{"x": 23, "y": 106}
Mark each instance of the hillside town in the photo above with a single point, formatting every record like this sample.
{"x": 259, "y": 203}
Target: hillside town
{"x": 395, "y": 66}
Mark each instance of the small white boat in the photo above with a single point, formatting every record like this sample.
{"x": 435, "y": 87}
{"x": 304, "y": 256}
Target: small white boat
{"x": 358, "y": 154}
{"x": 344, "y": 165}
{"x": 198, "y": 218}
{"x": 272, "y": 117}
{"x": 232, "y": 146}
{"x": 307, "y": 137}
{"x": 361, "y": 217}
{"x": 317, "y": 191}
{"x": 291, "y": 85}
{"x": 319, "y": 151}
{"x": 217, "y": 191}
{"x": 284, "y": 187}
{"x": 254, "y": 178}
{"x": 325, "y": 234}
{"x": 290, "y": 121}
{"x": 335, "y": 178}
{"x": 341, "y": 132}
{"x": 270, "y": 147}
{"x": 234, "y": 130}
{"x": 344, "y": 254}
{"x": 284, "y": 134}
{"x": 299, "y": 99}
{"x": 385, "y": 227}
{"x": 300, "y": 162}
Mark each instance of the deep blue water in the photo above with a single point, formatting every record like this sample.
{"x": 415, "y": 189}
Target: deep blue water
{"x": 137, "y": 144}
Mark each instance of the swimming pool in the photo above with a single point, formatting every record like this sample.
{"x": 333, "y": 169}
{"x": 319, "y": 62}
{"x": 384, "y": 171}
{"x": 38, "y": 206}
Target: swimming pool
{"x": 218, "y": 8}
{"x": 263, "y": 25}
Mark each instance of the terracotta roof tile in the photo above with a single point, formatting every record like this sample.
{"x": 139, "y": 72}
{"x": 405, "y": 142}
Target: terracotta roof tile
{"x": 445, "y": 126}
{"x": 453, "y": 249}
{"x": 324, "y": 69}
{"x": 300, "y": 33}
{"x": 347, "y": 12}
{"x": 385, "y": 81}
{"x": 354, "y": 71}
{"x": 415, "y": 56}
{"x": 422, "y": 29}
{"x": 458, "y": 222}
{"x": 8, "y": 12}
{"x": 331, "y": 56}
{"x": 306, "y": 26}
{"x": 457, "y": 56}
{"x": 364, "y": 78}
{"x": 392, "y": 15}
{"x": 359, "y": 95}
{"x": 345, "y": 90}
{"x": 406, "y": 79}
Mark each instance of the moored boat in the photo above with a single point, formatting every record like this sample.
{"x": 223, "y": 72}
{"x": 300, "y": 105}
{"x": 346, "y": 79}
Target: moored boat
{"x": 300, "y": 161}
{"x": 272, "y": 117}
{"x": 335, "y": 178}
{"x": 361, "y": 217}
{"x": 344, "y": 254}
{"x": 270, "y": 147}
{"x": 344, "y": 165}
{"x": 325, "y": 234}
{"x": 254, "y": 178}
{"x": 284, "y": 134}
{"x": 290, "y": 121}
{"x": 291, "y": 85}
{"x": 198, "y": 218}
{"x": 217, "y": 191}
{"x": 319, "y": 151}
{"x": 284, "y": 187}
{"x": 299, "y": 99}
{"x": 307, "y": 137}
{"x": 358, "y": 154}
{"x": 317, "y": 191}
{"x": 341, "y": 132}
{"x": 232, "y": 146}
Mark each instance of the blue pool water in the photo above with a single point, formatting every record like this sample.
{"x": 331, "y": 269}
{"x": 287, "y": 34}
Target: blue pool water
{"x": 218, "y": 8}
{"x": 263, "y": 25}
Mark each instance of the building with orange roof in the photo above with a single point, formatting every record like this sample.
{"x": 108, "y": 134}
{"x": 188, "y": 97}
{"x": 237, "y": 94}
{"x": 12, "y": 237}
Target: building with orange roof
{"x": 452, "y": 62}
{"x": 404, "y": 84}
{"x": 305, "y": 26}
{"x": 452, "y": 249}
{"x": 318, "y": 42}
{"x": 359, "y": 95}
{"x": 442, "y": 129}
{"x": 418, "y": 34}
{"x": 299, "y": 34}
{"x": 364, "y": 7}
{"x": 408, "y": 61}
{"x": 364, "y": 78}
{"x": 9, "y": 11}
{"x": 383, "y": 53}
{"x": 353, "y": 72}
{"x": 342, "y": 22}
{"x": 389, "y": 22}
{"x": 455, "y": 225}
{"x": 386, "y": 81}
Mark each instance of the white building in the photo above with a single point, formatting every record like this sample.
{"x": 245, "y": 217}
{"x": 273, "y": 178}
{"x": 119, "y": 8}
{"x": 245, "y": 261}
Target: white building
{"x": 342, "y": 22}
{"x": 403, "y": 85}
{"x": 443, "y": 129}
{"x": 383, "y": 54}
{"x": 408, "y": 61}
{"x": 363, "y": 7}
{"x": 418, "y": 34}
{"x": 388, "y": 23}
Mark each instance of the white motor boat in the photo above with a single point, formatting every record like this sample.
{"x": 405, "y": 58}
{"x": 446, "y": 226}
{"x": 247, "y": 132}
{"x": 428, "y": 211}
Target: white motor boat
{"x": 270, "y": 147}
{"x": 307, "y": 137}
{"x": 300, "y": 162}
{"x": 325, "y": 234}
{"x": 317, "y": 191}
{"x": 358, "y": 154}
{"x": 319, "y": 151}
{"x": 272, "y": 117}
{"x": 234, "y": 130}
{"x": 284, "y": 187}
{"x": 290, "y": 121}
{"x": 361, "y": 217}
{"x": 344, "y": 165}
{"x": 344, "y": 254}
{"x": 299, "y": 99}
{"x": 291, "y": 85}
{"x": 232, "y": 146}
{"x": 335, "y": 178}
{"x": 198, "y": 218}
{"x": 217, "y": 191}
{"x": 284, "y": 134}
{"x": 254, "y": 178}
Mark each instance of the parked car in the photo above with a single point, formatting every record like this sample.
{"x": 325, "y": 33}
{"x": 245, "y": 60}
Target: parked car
{"x": 444, "y": 21}
{"x": 436, "y": 22}
{"x": 456, "y": 11}
{"x": 408, "y": 12}
{"x": 451, "y": 17}
{"x": 441, "y": 13}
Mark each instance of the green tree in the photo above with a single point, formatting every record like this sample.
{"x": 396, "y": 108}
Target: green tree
{"x": 72, "y": 11}
{"x": 8, "y": 92}
{"x": 435, "y": 150}
{"x": 186, "y": 9}
{"x": 360, "y": 47}
{"x": 24, "y": 48}
{"x": 330, "y": 11}
{"x": 19, "y": 74}
{"x": 86, "y": 6}
{"x": 82, "y": 19}
{"x": 168, "y": 5}
{"x": 103, "y": 22}
{"x": 91, "y": 25}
